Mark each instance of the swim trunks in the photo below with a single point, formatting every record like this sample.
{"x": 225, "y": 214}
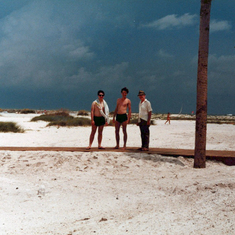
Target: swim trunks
{"x": 99, "y": 121}
{"x": 121, "y": 117}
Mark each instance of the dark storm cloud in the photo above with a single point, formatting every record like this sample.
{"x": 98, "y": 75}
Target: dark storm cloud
{"x": 59, "y": 49}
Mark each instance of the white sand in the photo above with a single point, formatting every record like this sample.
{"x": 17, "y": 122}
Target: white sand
{"x": 114, "y": 193}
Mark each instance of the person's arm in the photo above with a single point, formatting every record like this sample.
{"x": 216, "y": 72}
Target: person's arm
{"x": 149, "y": 117}
{"x": 92, "y": 113}
{"x": 115, "y": 112}
{"x": 138, "y": 122}
{"x": 129, "y": 112}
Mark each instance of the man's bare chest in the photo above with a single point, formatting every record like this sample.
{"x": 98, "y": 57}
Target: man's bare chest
{"x": 123, "y": 103}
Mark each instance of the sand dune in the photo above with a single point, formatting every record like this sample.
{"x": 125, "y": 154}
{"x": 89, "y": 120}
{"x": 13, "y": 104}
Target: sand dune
{"x": 114, "y": 193}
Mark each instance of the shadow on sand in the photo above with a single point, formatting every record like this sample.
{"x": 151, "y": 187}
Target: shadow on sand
{"x": 155, "y": 158}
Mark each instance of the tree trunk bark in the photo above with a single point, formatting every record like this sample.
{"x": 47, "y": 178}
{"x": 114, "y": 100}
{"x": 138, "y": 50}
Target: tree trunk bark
{"x": 201, "y": 110}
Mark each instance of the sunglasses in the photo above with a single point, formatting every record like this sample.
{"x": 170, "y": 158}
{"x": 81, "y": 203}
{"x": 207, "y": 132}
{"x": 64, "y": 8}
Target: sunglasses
{"x": 101, "y": 95}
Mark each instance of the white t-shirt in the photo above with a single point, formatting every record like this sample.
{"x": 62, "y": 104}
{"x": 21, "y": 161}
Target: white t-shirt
{"x": 144, "y": 109}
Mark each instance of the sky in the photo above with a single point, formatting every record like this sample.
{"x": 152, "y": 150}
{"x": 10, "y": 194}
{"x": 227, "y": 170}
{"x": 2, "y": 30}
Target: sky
{"x": 58, "y": 53}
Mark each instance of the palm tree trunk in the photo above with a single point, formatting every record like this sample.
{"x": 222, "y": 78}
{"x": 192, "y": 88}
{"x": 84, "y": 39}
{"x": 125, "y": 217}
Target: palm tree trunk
{"x": 201, "y": 114}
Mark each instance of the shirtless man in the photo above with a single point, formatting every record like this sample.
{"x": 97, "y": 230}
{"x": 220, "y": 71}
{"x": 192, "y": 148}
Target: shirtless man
{"x": 99, "y": 117}
{"x": 121, "y": 116}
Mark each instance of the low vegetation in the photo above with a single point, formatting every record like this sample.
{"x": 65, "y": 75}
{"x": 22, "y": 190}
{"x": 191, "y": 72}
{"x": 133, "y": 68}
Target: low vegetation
{"x": 71, "y": 122}
{"x": 135, "y": 121}
{"x": 211, "y": 119}
{"x": 10, "y": 127}
{"x": 62, "y": 118}
{"x": 26, "y": 111}
{"x": 83, "y": 113}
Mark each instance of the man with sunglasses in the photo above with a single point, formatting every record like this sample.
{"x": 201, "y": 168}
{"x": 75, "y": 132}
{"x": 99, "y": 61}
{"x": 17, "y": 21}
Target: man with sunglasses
{"x": 99, "y": 117}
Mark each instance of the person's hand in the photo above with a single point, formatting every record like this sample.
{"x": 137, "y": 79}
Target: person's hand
{"x": 92, "y": 122}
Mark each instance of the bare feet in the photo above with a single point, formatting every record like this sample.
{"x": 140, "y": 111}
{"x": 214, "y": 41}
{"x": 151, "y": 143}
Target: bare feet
{"x": 145, "y": 149}
{"x": 88, "y": 148}
{"x": 116, "y": 147}
{"x": 101, "y": 147}
{"x": 124, "y": 148}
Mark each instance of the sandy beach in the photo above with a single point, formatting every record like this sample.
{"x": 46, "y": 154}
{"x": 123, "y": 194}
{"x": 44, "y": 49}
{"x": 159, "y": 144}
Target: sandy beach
{"x": 109, "y": 193}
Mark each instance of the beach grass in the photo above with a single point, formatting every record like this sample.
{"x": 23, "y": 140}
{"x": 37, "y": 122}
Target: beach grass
{"x": 51, "y": 118}
{"x": 26, "y": 111}
{"x": 71, "y": 122}
{"x": 10, "y": 127}
{"x": 62, "y": 118}
{"x": 83, "y": 113}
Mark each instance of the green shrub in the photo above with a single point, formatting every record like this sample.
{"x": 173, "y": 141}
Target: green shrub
{"x": 62, "y": 119}
{"x": 10, "y": 127}
{"x": 63, "y": 113}
{"x": 26, "y": 111}
{"x": 52, "y": 118}
{"x": 83, "y": 113}
{"x": 71, "y": 122}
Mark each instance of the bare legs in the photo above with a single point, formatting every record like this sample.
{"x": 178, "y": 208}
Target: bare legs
{"x": 117, "y": 129}
{"x": 124, "y": 134}
{"x": 100, "y": 131}
{"x": 93, "y": 131}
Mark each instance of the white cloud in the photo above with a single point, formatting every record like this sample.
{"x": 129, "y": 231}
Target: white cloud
{"x": 172, "y": 21}
{"x": 219, "y": 25}
{"x": 164, "y": 54}
{"x": 225, "y": 63}
{"x": 77, "y": 50}
{"x": 108, "y": 75}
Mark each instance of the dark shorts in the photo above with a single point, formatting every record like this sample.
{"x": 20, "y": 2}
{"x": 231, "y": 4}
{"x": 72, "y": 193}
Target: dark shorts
{"x": 99, "y": 121}
{"x": 121, "y": 117}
